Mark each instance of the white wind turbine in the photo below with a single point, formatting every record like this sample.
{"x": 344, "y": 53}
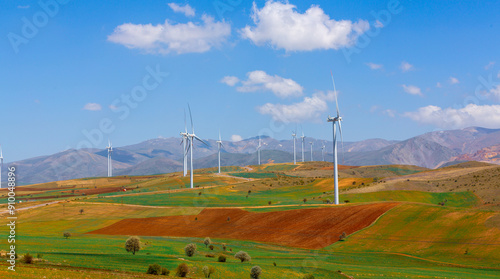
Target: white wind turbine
{"x": 258, "y": 150}
{"x": 294, "y": 136}
{"x": 336, "y": 120}
{"x": 311, "y": 143}
{"x": 219, "y": 146}
{"x": 110, "y": 166}
{"x": 184, "y": 142}
{"x": 1, "y": 165}
{"x": 191, "y": 138}
{"x": 323, "y": 151}
{"x": 303, "y": 139}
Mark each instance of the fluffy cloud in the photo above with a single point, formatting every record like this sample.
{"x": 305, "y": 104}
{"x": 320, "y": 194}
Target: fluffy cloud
{"x": 261, "y": 81}
{"x": 454, "y": 80}
{"x": 166, "y": 38}
{"x": 92, "y": 107}
{"x": 390, "y": 112}
{"x": 405, "y": 66}
{"x": 412, "y": 89}
{"x": 236, "y": 138}
{"x": 230, "y": 80}
{"x": 374, "y": 66}
{"x": 310, "y": 109}
{"x": 495, "y": 92}
{"x": 487, "y": 116}
{"x": 280, "y": 25}
{"x": 186, "y": 10}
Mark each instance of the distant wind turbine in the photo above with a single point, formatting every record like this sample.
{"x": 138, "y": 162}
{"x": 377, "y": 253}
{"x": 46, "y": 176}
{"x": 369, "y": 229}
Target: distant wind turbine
{"x": 110, "y": 162}
{"x": 219, "y": 146}
{"x": 1, "y": 165}
{"x": 191, "y": 138}
{"x": 323, "y": 151}
{"x": 294, "y": 136}
{"x": 258, "y": 150}
{"x": 311, "y": 143}
{"x": 184, "y": 142}
{"x": 336, "y": 120}
{"x": 303, "y": 139}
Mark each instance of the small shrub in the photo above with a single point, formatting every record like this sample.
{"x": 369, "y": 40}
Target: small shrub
{"x": 211, "y": 247}
{"x": 269, "y": 202}
{"x": 304, "y": 200}
{"x": 154, "y": 269}
{"x": 28, "y": 258}
{"x": 274, "y": 263}
{"x": 255, "y": 272}
{"x": 342, "y": 236}
{"x": 208, "y": 270}
{"x": 207, "y": 241}
{"x": 165, "y": 271}
{"x": 81, "y": 211}
{"x": 243, "y": 256}
{"x": 190, "y": 249}
{"x": 222, "y": 259}
{"x": 182, "y": 270}
{"x": 224, "y": 246}
{"x": 67, "y": 235}
{"x": 347, "y": 201}
{"x": 210, "y": 255}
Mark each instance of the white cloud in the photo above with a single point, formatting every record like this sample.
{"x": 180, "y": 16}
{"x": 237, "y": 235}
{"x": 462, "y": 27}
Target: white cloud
{"x": 412, "y": 89}
{"x": 405, "y": 66}
{"x": 230, "y": 80}
{"x": 374, "y": 66}
{"x": 310, "y": 109}
{"x": 374, "y": 108}
{"x": 261, "y": 81}
{"x": 438, "y": 85}
{"x": 236, "y": 138}
{"x": 186, "y": 10}
{"x": 487, "y": 116}
{"x": 378, "y": 24}
{"x": 491, "y": 64}
{"x": 390, "y": 112}
{"x": 92, "y": 107}
{"x": 280, "y": 25}
{"x": 495, "y": 92}
{"x": 454, "y": 80}
{"x": 166, "y": 38}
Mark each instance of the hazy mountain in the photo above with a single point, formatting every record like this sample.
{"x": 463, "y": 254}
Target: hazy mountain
{"x": 163, "y": 155}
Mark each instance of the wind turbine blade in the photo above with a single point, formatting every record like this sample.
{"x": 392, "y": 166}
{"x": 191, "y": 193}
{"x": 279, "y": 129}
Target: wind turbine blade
{"x": 335, "y": 92}
{"x": 200, "y": 140}
{"x": 342, "y": 140}
{"x": 219, "y": 135}
{"x": 185, "y": 124}
{"x": 191, "y": 117}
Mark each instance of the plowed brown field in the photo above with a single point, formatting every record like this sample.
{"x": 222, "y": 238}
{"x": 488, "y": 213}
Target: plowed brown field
{"x": 312, "y": 228}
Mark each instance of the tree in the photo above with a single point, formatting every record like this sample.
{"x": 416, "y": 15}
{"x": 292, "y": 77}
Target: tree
{"x": 190, "y": 249}
{"x": 304, "y": 200}
{"x": 342, "y": 236}
{"x": 81, "y": 211}
{"x": 207, "y": 241}
{"x": 243, "y": 256}
{"x": 165, "y": 271}
{"x": 182, "y": 270}
{"x": 224, "y": 247}
{"x": 208, "y": 270}
{"x": 255, "y": 272}
{"x": 67, "y": 235}
{"x": 133, "y": 244}
{"x": 154, "y": 269}
{"x": 211, "y": 247}
{"x": 28, "y": 258}
{"x": 222, "y": 259}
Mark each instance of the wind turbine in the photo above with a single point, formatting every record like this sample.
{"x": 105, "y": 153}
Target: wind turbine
{"x": 191, "y": 138}
{"x": 336, "y": 120}
{"x": 258, "y": 150}
{"x": 294, "y": 136}
{"x": 1, "y": 165}
{"x": 323, "y": 151}
{"x": 184, "y": 142}
{"x": 219, "y": 146}
{"x": 110, "y": 166}
{"x": 303, "y": 139}
{"x": 311, "y": 143}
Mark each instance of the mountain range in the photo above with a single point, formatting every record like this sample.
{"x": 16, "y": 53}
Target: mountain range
{"x": 163, "y": 155}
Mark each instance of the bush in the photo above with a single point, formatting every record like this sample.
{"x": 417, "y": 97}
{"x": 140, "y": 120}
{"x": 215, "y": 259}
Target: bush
{"x": 224, "y": 246}
{"x": 304, "y": 200}
{"x": 208, "y": 270}
{"x": 342, "y": 236}
{"x": 28, "y": 258}
{"x": 67, "y": 235}
{"x": 243, "y": 256}
{"x": 255, "y": 272}
{"x": 222, "y": 259}
{"x": 165, "y": 271}
{"x": 211, "y": 247}
{"x": 308, "y": 276}
{"x": 210, "y": 255}
{"x": 182, "y": 270}
{"x": 154, "y": 269}
{"x": 190, "y": 249}
{"x": 133, "y": 244}
{"x": 207, "y": 241}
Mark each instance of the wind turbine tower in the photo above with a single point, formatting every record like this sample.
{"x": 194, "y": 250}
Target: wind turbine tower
{"x": 294, "y": 136}
{"x": 336, "y": 121}
{"x": 219, "y": 146}
{"x": 311, "y": 143}
{"x": 258, "y": 150}
{"x": 191, "y": 138}
{"x": 303, "y": 139}
{"x": 110, "y": 162}
{"x": 323, "y": 151}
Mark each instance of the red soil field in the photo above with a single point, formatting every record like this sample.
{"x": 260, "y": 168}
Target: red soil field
{"x": 311, "y": 228}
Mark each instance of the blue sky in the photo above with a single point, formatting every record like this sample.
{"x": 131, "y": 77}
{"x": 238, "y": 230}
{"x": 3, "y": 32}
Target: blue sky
{"x": 402, "y": 68}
